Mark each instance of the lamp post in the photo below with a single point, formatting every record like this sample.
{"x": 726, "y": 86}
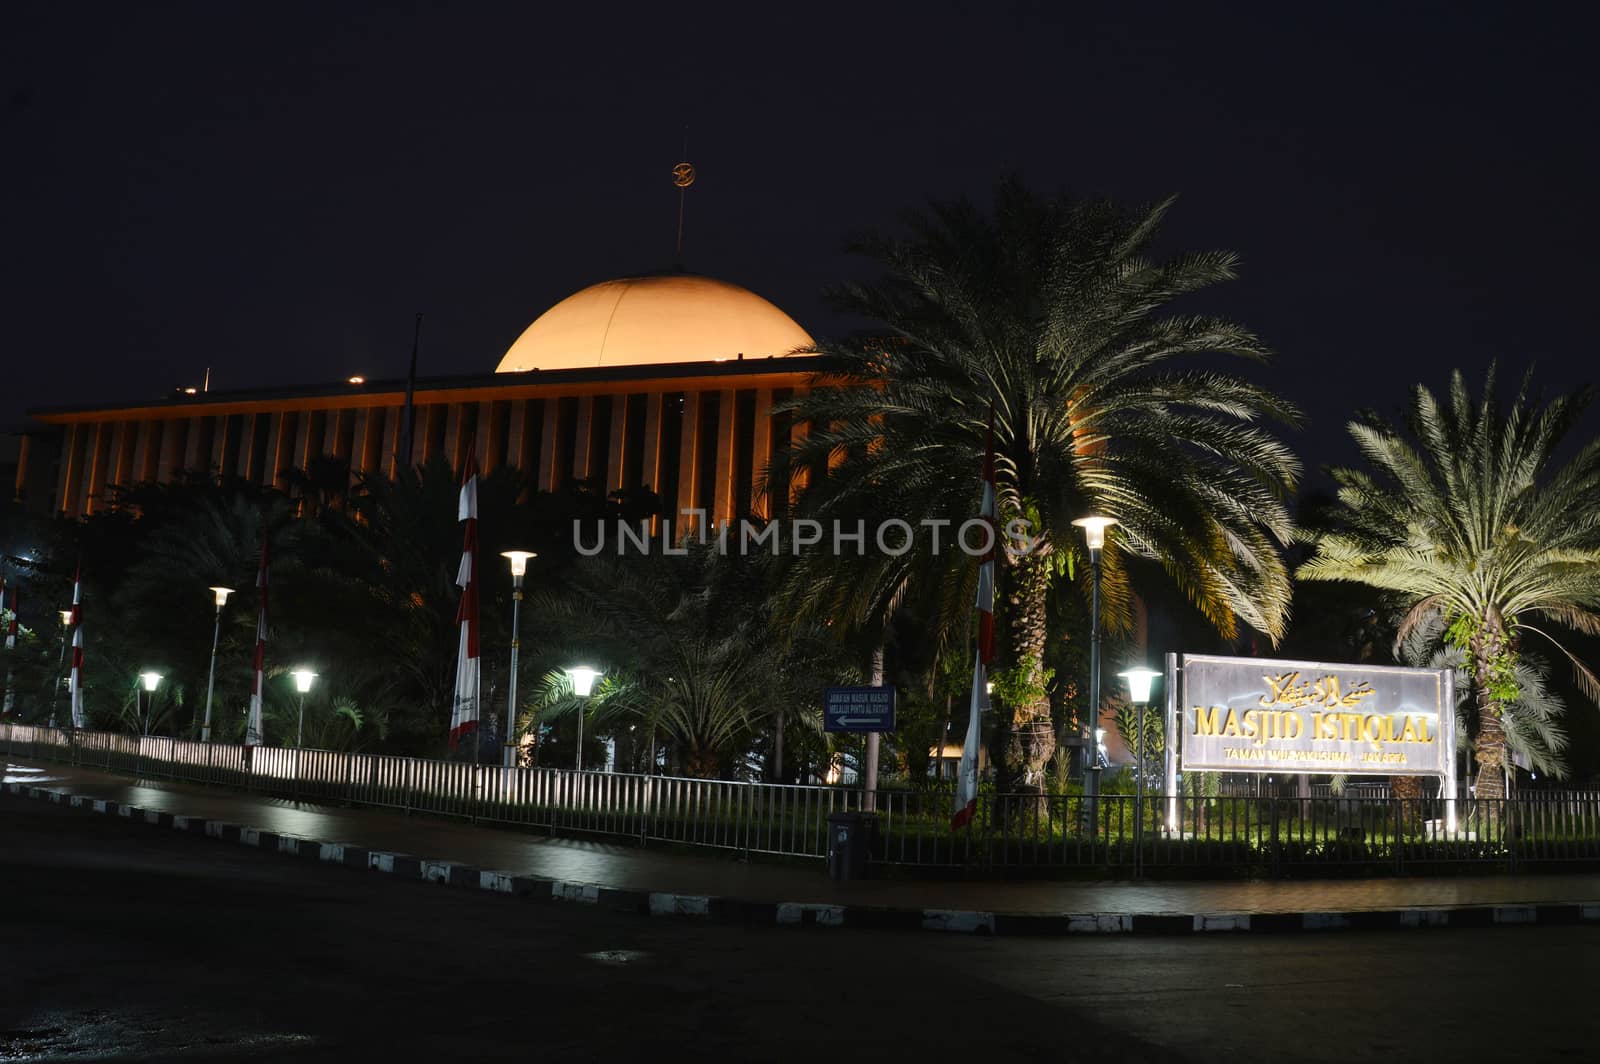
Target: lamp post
{"x": 61, "y": 663}
{"x": 582, "y": 684}
{"x": 221, "y": 594}
{"x": 1094, "y": 532}
{"x": 519, "y": 568}
{"x": 149, "y": 681}
{"x": 302, "y": 683}
{"x": 1139, "y": 679}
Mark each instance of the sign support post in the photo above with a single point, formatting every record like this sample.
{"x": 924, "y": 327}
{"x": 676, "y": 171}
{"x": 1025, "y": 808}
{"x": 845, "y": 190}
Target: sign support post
{"x": 1170, "y": 693}
{"x": 1447, "y": 735}
{"x": 870, "y": 798}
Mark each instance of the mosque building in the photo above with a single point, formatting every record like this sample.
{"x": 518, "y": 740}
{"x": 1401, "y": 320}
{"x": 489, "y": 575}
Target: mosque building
{"x": 665, "y": 380}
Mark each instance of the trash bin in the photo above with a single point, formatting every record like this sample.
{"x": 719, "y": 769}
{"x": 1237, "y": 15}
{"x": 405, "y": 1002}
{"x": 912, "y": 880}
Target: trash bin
{"x": 850, "y": 837}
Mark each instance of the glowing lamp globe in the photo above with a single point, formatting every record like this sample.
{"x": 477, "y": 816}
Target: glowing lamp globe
{"x": 302, "y": 679}
{"x": 583, "y": 679}
{"x": 222, "y": 594}
{"x": 519, "y": 560}
{"x": 151, "y": 680}
{"x": 1139, "y": 681}
{"x": 1094, "y": 529}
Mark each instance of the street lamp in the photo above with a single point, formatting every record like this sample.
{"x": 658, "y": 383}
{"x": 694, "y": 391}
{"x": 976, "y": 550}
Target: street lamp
{"x": 302, "y": 683}
{"x": 221, "y": 594}
{"x": 1139, "y": 679}
{"x": 61, "y": 663}
{"x": 519, "y": 568}
{"x": 583, "y": 679}
{"x": 150, "y": 681}
{"x": 1094, "y": 532}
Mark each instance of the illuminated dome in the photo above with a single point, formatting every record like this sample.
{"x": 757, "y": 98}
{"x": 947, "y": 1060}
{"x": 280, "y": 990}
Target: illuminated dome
{"x": 671, "y": 317}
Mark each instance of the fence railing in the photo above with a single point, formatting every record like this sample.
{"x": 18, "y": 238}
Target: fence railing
{"x": 1020, "y": 834}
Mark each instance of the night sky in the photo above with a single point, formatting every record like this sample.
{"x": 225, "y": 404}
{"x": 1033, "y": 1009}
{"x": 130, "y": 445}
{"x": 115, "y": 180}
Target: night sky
{"x": 274, "y": 190}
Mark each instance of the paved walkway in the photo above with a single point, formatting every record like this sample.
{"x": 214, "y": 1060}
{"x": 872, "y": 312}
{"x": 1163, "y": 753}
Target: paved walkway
{"x": 625, "y": 868}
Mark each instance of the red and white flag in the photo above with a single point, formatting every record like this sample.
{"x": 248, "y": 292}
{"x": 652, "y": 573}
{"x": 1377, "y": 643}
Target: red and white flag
{"x": 253, "y": 733}
{"x": 966, "y": 803}
{"x": 464, "y": 711}
{"x": 75, "y": 683}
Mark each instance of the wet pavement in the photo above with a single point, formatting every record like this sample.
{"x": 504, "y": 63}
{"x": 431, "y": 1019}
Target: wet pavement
{"x": 631, "y": 868}
{"x": 123, "y": 942}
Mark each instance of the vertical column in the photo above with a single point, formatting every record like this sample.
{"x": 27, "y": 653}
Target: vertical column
{"x": 247, "y": 446}
{"x": 98, "y": 441}
{"x": 761, "y": 451}
{"x": 688, "y": 474}
{"x": 454, "y": 429}
{"x": 650, "y": 466}
{"x": 422, "y": 443}
{"x": 799, "y": 429}
{"x": 191, "y": 448}
{"x": 722, "y": 506}
{"x": 300, "y": 456}
{"x": 485, "y": 435}
{"x": 360, "y": 455}
{"x": 389, "y": 460}
{"x": 66, "y": 482}
{"x": 333, "y": 421}
{"x": 516, "y": 425}
{"x": 141, "y": 452}
{"x": 23, "y": 449}
{"x": 547, "y": 445}
{"x": 616, "y": 454}
{"x": 269, "y": 470}
{"x": 219, "y": 447}
{"x": 125, "y": 443}
{"x": 173, "y": 432}
{"x": 580, "y": 444}
{"x": 116, "y": 456}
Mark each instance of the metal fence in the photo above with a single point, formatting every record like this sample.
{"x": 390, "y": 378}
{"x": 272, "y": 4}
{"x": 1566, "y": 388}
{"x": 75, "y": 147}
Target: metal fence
{"x": 1015, "y": 834}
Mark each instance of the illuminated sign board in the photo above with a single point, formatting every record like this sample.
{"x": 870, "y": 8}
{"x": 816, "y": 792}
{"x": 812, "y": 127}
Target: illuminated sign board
{"x": 1259, "y": 715}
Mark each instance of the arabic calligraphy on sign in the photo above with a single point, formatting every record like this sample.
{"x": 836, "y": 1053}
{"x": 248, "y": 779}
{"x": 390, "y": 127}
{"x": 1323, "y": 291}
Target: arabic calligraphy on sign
{"x": 1288, "y": 689}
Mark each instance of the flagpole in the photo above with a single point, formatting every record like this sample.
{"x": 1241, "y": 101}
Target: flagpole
{"x": 408, "y": 421}
{"x": 966, "y": 791}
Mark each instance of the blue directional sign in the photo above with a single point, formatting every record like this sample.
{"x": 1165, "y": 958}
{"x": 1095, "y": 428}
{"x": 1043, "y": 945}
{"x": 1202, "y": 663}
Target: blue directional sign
{"x": 858, "y": 709}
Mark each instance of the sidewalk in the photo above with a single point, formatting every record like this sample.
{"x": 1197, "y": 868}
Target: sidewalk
{"x": 727, "y": 889}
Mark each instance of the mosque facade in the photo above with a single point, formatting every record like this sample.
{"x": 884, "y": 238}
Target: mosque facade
{"x": 665, "y": 381}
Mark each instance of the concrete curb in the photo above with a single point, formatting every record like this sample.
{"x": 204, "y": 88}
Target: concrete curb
{"x": 809, "y": 914}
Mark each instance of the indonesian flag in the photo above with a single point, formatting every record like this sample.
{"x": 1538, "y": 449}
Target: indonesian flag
{"x": 464, "y": 711}
{"x": 75, "y": 683}
{"x": 967, "y": 775}
{"x": 253, "y": 735}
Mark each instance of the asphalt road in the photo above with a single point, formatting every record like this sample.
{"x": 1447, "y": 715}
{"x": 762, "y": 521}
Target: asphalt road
{"x": 121, "y": 941}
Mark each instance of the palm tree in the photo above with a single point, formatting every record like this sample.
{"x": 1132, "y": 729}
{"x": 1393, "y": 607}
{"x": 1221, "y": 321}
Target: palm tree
{"x": 1475, "y": 521}
{"x": 1532, "y": 724}
{"x": 1052, "y": 314}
